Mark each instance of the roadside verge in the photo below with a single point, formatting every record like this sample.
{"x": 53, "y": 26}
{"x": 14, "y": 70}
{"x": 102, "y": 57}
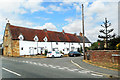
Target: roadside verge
{"x": 93, "y": 69}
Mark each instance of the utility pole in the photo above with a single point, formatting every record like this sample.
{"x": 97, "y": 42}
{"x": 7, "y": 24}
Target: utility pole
{"x": 83, "y": 31}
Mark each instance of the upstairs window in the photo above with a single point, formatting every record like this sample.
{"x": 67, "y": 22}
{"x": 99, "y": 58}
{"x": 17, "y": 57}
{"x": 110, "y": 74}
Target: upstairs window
{"x": 21, "y": 37}
{"x": 35, "y": 38}
{"x": 45, "y": 39}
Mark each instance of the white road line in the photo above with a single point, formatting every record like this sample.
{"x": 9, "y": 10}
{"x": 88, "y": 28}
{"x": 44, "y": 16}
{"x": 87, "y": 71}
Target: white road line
{"x": 77, "y": 64}
{"x": 53, "y": 67}
{"x": 71, "y": 70}
{"x": 97, "y": 75}
{"x": 11, "y": 71}
{"x": 45, "y": 65}
{"x": 61, "y": 68}
{"x": 66, "y": 67}
{"x": 82, "y": 71}
{"x": 40, "y": 64}
{"x": 35, "y": 63}
{"x": 57, "y": 66}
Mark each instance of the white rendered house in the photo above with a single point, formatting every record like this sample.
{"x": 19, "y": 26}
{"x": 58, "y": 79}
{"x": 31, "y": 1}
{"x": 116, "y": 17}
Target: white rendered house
{"x": 34, "y": 41}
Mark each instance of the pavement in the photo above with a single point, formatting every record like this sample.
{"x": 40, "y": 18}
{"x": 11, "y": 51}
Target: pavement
{"x": 96, "y": 69}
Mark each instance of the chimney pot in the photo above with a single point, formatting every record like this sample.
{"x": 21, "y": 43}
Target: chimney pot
{"x": 63, "y": 31}
{"x": 81, "y": 34}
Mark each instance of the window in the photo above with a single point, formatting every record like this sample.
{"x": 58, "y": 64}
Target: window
{"x": 21, "y": 37}
{"x": 56, "y": 43}
{"x": 78, "y": 43}
{"x": 72, "y": 43}
{"x": 57, "y": 52}
{"x": 72, "y": 48}
{"x": 53, "y": 49}
{"x": 21, "y": 48}
{"x": 36, "y": 38}
{"x": 67, "y": 49}
{"x": 64, "y": 43}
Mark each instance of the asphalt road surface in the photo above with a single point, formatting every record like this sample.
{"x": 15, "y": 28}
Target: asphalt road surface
{"x": 43, "y": 68}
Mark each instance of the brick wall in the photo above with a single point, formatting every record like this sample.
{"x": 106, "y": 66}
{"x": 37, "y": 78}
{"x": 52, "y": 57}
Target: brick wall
{"x": 104, "y": 56}
{"x": 7, "y": 50}
{"x": 15, "y": 48}
{"x": 10, "y": 47}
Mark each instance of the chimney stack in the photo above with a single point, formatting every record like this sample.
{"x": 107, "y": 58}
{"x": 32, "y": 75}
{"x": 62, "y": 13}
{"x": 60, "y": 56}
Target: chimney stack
{"x": 45, "y": 30}
{"x": 81, "y": 34}
{"x": 63, "y": 31}
{"x": 75, "y": 34}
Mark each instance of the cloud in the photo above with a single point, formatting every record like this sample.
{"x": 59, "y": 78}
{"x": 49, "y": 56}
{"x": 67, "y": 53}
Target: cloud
{"x": 48, "y": 26}
{"x": 12, "y": 6}
{"x": 1, "y": 38}
{"x": 94, "y": 16}
{"x": 74, "y": 26}
{"x": 43, "y": 18}
{"x": 69, "y": 20}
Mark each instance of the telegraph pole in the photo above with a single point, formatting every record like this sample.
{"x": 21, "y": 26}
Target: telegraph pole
{"x": 83, "y": 31}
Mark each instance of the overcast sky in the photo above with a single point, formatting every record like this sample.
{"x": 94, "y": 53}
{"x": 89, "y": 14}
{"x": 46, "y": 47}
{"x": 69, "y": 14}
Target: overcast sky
{"x": 57, "y": 15}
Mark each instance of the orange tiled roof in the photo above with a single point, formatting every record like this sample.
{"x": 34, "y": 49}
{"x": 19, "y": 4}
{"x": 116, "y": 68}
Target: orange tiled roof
{"x": 52, "y": 36}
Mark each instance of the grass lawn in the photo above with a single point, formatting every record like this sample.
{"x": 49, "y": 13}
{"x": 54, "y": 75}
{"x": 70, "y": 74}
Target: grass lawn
{"x": 111, "y": 66}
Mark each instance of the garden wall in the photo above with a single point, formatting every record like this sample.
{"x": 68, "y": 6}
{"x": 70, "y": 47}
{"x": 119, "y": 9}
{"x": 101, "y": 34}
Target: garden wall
{"x": 112, "y": 56}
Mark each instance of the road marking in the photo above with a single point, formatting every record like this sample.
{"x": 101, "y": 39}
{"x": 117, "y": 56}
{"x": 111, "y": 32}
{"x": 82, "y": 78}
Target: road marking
{"x": 61, "y": 68}
{"x": 53, "y": 67}
{"x": 45, "y": 65}
{"x": 70, "y": 70}
{"x": 97, "y": 75}
{"x": 82, "y": 71}
{"x": 57, "y": 66}
{"x": 76, "y": 64}
{"x": 40, "y": 64}
{"x": 35, "y": 63}
{"x": 11, "y": 71}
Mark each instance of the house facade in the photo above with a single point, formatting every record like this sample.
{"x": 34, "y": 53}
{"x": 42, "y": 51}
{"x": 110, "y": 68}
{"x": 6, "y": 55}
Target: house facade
{"x": 19, "y": 41}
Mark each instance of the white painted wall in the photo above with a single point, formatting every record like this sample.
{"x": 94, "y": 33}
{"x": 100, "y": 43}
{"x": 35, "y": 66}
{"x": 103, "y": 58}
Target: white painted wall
{"x": 30, "y": 47}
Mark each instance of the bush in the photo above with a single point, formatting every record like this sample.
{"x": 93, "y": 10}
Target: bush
{"x": 46, "y": 51}
{"x": 118, "y": 46}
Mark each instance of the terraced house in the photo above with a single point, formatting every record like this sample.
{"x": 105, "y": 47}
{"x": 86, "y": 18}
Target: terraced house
{"x": 19, "y": 41}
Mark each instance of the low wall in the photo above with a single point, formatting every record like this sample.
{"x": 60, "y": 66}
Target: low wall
{"x": 112, "y": 56}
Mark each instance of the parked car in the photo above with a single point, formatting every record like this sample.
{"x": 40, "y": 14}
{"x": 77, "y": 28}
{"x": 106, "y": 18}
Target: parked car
{"x": 74, "y": 53}
{"x": 54, "y": 54}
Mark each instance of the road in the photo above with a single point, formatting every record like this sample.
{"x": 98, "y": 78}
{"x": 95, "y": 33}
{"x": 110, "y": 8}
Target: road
{"x": 43, "y": 68}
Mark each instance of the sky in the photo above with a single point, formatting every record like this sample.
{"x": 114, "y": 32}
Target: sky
{"x": 58, "y": 15}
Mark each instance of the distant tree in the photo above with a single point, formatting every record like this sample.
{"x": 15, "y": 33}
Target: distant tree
{"x": 94, "y": 46}
{"x": 113, "y": 42}
{"x": 107, "y": 32}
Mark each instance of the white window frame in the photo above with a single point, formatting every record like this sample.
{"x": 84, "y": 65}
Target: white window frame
{"x": 36, "y": 39}
{"x": 21, "y": 37}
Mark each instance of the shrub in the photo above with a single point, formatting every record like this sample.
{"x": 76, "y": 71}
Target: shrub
{"x": 118, "y": 46}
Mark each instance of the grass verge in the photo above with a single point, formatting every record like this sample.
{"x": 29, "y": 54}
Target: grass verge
{"x": 110, "y": 66}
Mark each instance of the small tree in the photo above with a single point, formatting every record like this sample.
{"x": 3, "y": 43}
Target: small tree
{"x": 106, "y": 32}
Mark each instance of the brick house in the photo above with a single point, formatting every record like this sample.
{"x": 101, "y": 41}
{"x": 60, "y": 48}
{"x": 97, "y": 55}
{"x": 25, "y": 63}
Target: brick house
{"x": 19, "y": 41}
